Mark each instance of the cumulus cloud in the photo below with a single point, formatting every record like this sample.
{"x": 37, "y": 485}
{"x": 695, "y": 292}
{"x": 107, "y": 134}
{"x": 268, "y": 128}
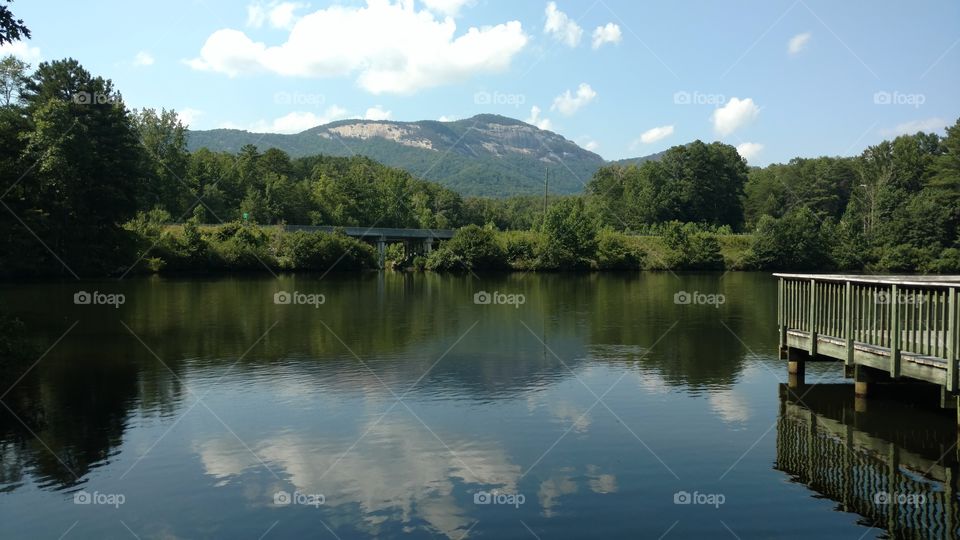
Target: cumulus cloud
{"x": 390, "y": 47}
{"x": 562, "y": 27}
{"x": 278, "y": 14}
{"x": 653, "y": 135}
{"x": 450, "y": 8}
{"x": 609, "y": 33}
{"x": 143, "y": 58}
{"x": 591, "y": 145}
{"x": 445, "y": 118}
{"x": 798, "y": 43}
{"x": 568, "y": 103}
{"x": 21, "y": 50}
{"x": 733, "y": 115}
{"x": 749, "y": 150}
{"x": 294, "y": 122}
{"x": 536, "y": 119}
{"x": 377, "y": 113}
{"x": 927, "y": 125}
{"x": 188, "y": 116}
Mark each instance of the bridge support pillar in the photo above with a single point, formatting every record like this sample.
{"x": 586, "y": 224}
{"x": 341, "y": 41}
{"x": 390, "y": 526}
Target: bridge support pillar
{"x": 796, "y": 367}
{"x": 427, "y": 245}
{"x": 862, "y": 379}
{"x": 381, "y": 252}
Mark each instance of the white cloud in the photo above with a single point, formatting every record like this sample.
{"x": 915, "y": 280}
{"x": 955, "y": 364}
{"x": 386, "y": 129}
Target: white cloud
{"x": 561, "y": 27}
{"x": 535, "y": 119}
{"x": 294, "y": 122}
{"x": 927, "y": 125}
{"x": 610, "y": 33}
{"x": 734, "y": 115}
{"x": 21, "y": 50}
{"x": 445, "y": 118}
{"x": 749, "y": 150}
{"x": 278, "y": 14}
{"x": 591, "y": 145}
{"x": 143, "y": 58}
{"x": 798, "y": 43}
{"x": 391, "y": 47}
{"x": 188, "y": 116}
{"x": 568, "y": 103}
{"x": 377, "y": 113}
{"x": 450, "y": 8}
{"x": 653, "y": 135}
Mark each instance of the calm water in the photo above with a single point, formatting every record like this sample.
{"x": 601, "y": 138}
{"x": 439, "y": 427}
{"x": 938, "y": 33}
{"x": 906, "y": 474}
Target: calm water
{"x": 400, "y": 407}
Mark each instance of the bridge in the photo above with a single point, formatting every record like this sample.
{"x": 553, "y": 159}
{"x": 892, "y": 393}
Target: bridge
{"x": 883, "y": 328}
{"x": 414, "y": 240}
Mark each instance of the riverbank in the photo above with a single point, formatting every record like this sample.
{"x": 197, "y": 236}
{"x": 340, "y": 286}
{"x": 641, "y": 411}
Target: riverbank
{"x": 245, "y": 247}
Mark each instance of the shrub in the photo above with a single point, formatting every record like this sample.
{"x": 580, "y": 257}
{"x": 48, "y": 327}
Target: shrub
{"x": 797, "y": 241}
{"x": 477, "y": 248}
{"x": 616, "y": 252}
{"x": 570, "y": 236}
{"x": 445, "y": 260}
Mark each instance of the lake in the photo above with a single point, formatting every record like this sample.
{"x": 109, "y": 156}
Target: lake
{"x": 645, "y": 405}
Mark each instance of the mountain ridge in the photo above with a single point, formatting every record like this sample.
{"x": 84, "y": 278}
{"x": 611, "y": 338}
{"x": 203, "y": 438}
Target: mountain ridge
{"x": 486, "y": 154}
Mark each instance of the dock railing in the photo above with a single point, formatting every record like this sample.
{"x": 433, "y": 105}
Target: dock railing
{"x": 874, "y": 319}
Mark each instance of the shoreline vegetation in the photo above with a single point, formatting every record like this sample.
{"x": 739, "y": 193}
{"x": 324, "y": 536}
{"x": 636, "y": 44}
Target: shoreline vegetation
{"x": 92, "y": 188}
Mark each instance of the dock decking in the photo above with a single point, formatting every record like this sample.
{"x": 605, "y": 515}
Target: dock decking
{"x": 897, "y": 326}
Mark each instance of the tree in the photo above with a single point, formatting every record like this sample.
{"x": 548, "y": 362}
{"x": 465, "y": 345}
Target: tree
{"x": 163, "y": 137}
{"x": 570, "y": 235}
{"x": 13, "y": 76}
{"x": 11, "y": 29}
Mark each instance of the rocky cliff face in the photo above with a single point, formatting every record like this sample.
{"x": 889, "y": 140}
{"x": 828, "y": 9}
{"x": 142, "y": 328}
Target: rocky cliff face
{"x": 482, "y": 155}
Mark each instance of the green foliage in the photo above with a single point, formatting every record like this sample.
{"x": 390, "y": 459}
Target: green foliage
{"x": 615, "y": 251}
{"x": 798, "y": 241}
{"x": 692, "y": 248}
{"x": 696, "y": 182}
{"x": 321, "y": 252}
{"x": 570, "y": 236}
{"x": 445, "y": 260}
{"x": 477, "y": 248}
{"x": 520, "y": 248}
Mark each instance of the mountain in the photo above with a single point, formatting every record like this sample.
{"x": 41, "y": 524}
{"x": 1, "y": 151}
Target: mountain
{"x": 487, "y": 154}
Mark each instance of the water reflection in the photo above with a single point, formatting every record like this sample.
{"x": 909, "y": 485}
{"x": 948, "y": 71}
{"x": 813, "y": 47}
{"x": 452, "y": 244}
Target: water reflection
{"x": 894, "y": 465}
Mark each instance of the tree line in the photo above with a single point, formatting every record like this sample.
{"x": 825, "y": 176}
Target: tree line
{"x": 90, "y": 186}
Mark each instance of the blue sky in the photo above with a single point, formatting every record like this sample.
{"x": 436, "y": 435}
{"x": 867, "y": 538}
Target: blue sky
{"x": 624, "y": 78}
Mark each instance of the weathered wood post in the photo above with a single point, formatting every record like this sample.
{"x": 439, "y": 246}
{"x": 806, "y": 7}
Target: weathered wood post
{"x": 951, "y": 345}
{"x": 813, "y": 318}
{"x": 848, "y": 308}
{"x": 781, "y": 318}
{"x": 894, "y": 332}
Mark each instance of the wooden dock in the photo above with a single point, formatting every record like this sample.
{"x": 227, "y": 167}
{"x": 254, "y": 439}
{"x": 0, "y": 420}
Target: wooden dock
{"x": 883, "y": 328}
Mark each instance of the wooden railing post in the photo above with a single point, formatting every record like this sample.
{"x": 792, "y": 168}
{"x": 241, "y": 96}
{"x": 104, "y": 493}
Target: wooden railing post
{"x": 894, "y": 332}
{"x": 848, "y": 307}
{"x": 951, "y": 341}
{"x": 813, "y": 318}
{"x": 781, "y": 313}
